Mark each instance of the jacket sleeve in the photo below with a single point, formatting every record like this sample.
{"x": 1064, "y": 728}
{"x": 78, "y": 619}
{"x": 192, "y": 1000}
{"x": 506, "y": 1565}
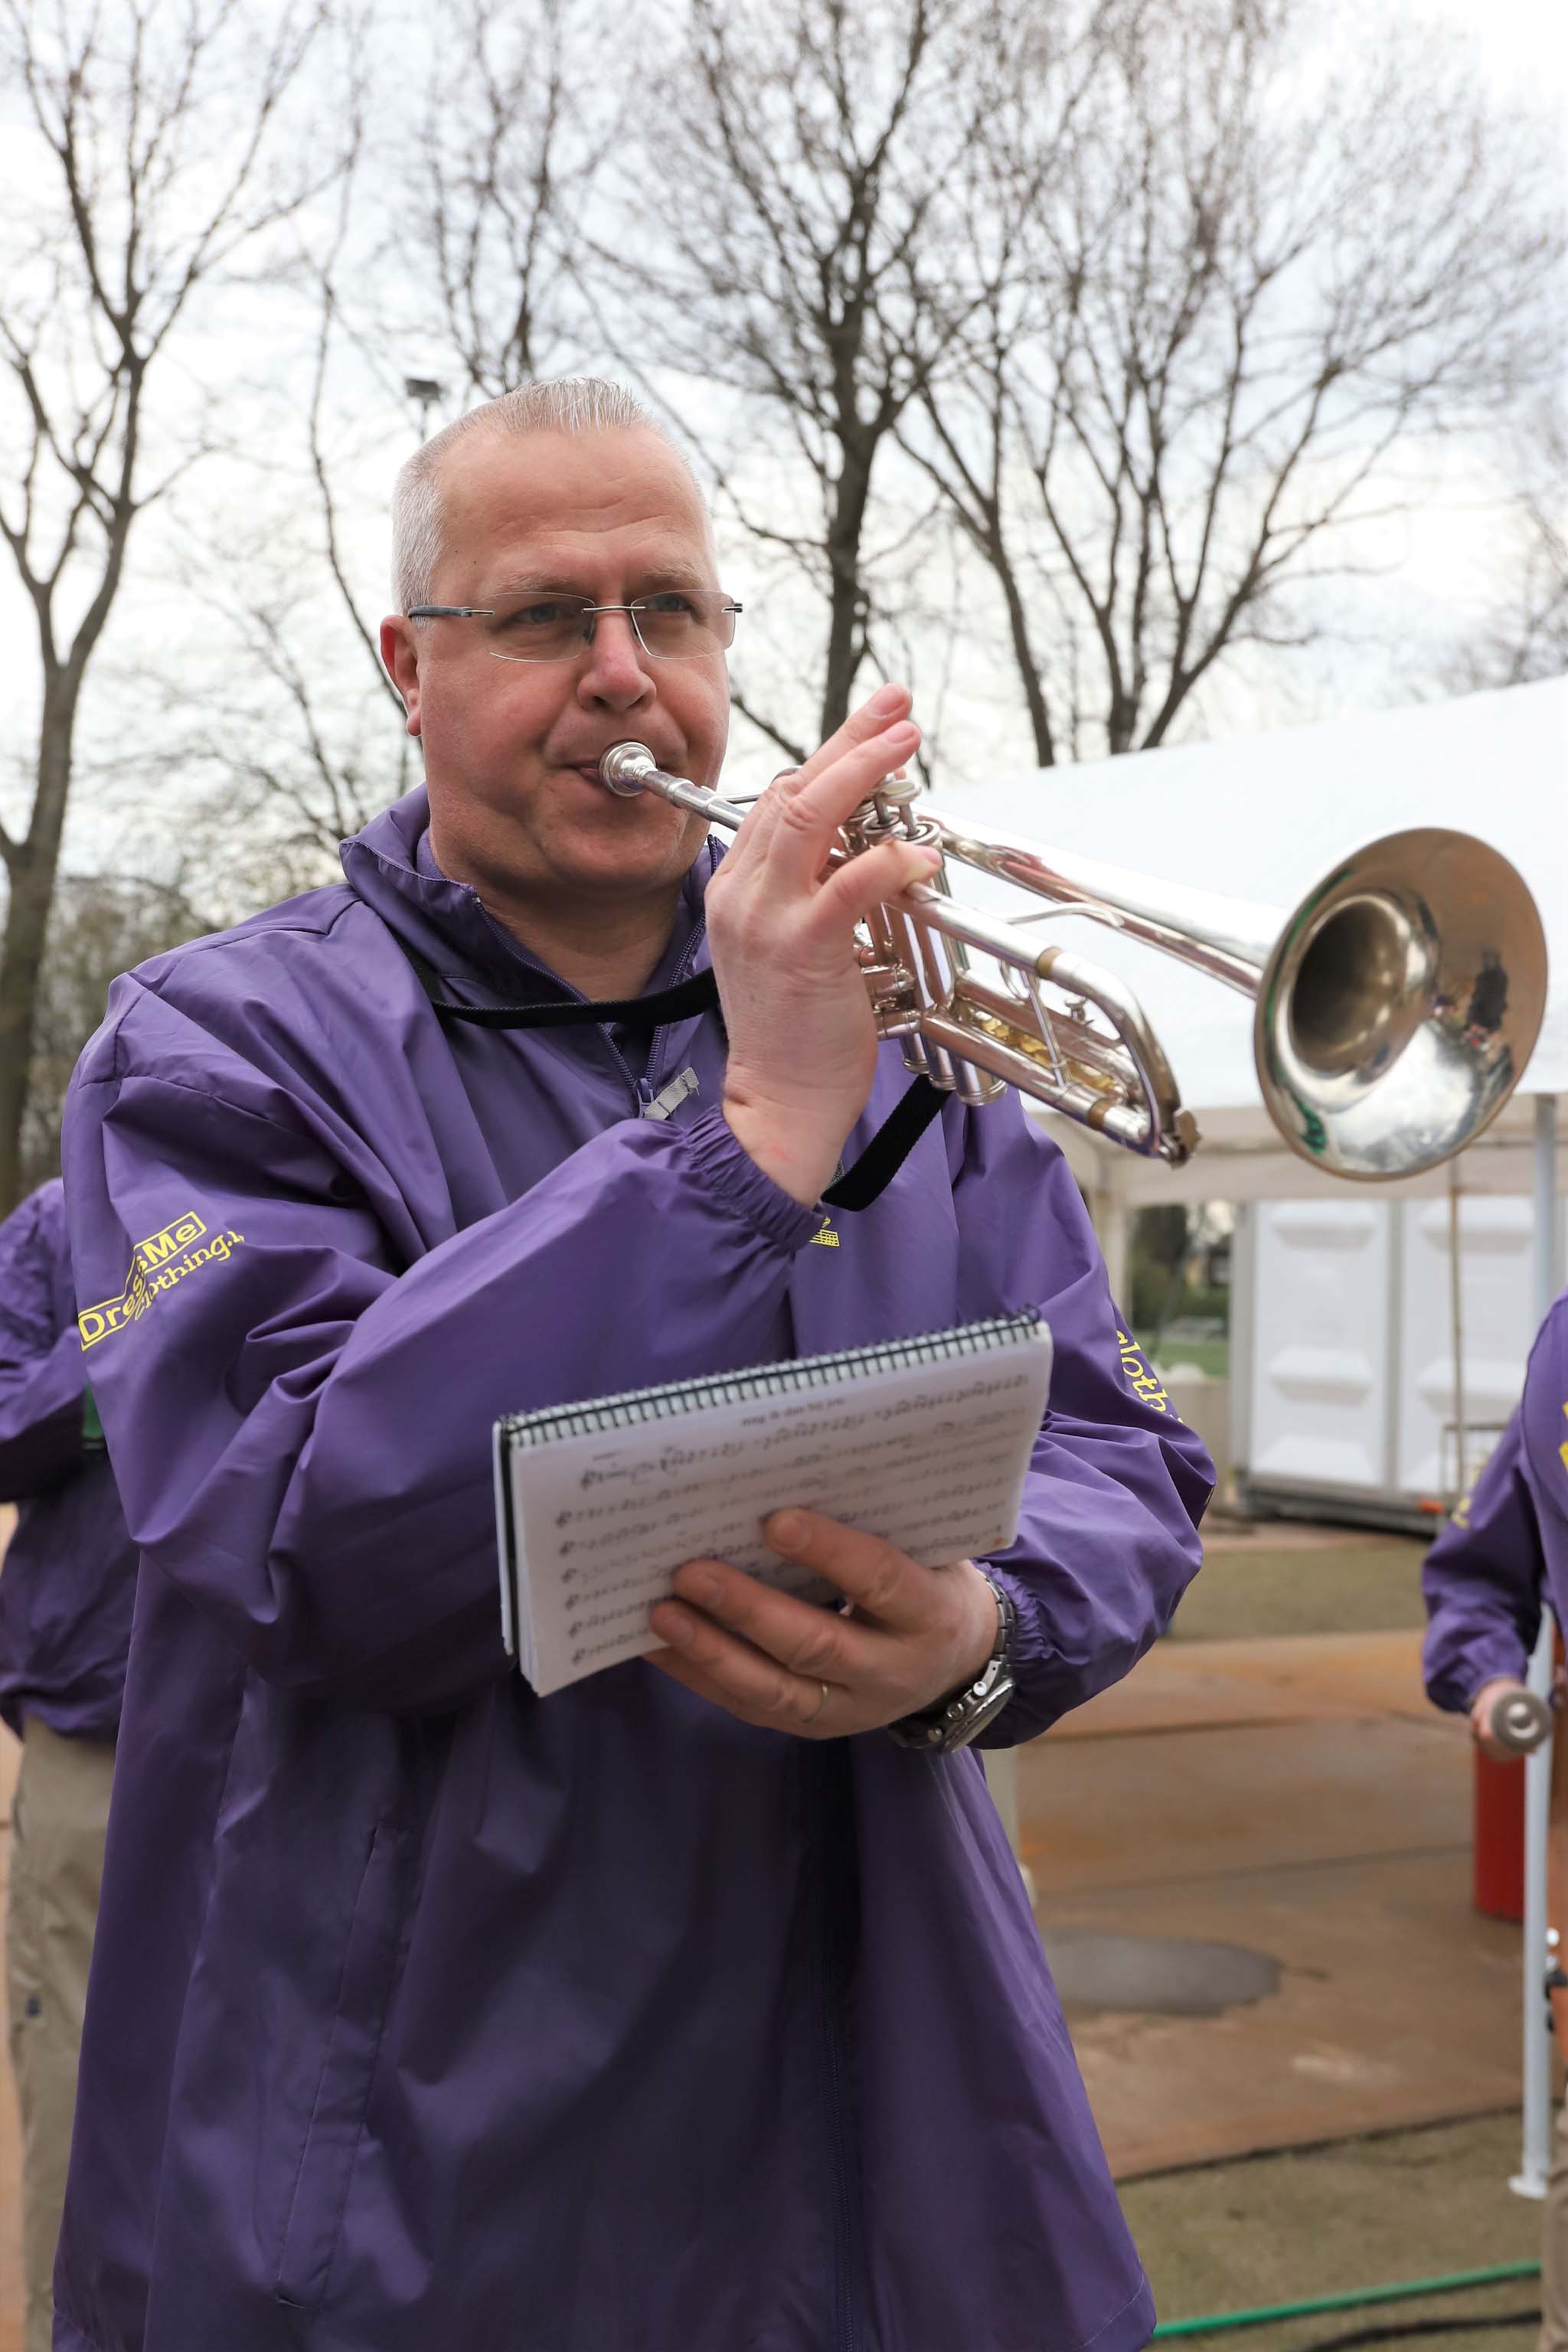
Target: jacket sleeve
{"x": 300, "y": 1418}
{"x": 1482, "y": 1580}
{"x": 42, "y": 1376}
{"x": 1108, "y": 1541}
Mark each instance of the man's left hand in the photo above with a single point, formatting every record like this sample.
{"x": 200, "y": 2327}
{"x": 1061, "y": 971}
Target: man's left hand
{"x": 914, "y": 1635}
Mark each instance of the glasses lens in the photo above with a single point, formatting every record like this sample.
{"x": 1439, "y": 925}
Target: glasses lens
{"x": 549, "y": 628}
{"x": 681, "y": 623}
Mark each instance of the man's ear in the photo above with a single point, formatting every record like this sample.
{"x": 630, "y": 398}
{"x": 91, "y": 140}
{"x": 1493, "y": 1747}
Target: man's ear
{"x": 400, "y": 652}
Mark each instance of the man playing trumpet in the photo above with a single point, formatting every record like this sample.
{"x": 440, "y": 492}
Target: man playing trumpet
{"x": 686, "y": 2010}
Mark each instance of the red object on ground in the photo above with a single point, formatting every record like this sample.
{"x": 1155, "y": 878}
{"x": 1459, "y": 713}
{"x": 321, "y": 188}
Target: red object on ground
{"x": 1499, "y": 1837}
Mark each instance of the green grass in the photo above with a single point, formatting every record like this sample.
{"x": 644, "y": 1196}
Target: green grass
{"x": 1370, "y": 1585}
{"x": 1211, "y": 1356}
{"x": 1278, "y": 2229}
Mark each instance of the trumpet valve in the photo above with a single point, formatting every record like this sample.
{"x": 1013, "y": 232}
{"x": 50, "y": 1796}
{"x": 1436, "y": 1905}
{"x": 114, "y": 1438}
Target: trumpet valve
{"x": 895, "y": 999}
{"x": 888, "y": 812}
{"x": 977, "y": 1086}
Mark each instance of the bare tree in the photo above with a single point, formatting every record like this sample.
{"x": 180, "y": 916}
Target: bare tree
{"x": 446, "y": 275}
{"x": 821, "y": 216}
{"x": 160, "y": 170}
{"x": 99, "y": 927}
{"x": 1524, "y": 635}
{"x": 524, "y": 103}
{"x": 1255, "y": 278}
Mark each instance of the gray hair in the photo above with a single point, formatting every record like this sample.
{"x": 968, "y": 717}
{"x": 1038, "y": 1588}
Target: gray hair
{"x": 567, "y": 404}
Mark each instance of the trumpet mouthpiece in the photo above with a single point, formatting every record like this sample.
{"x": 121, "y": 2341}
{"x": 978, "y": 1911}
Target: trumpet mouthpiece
{"x": 626, "y": 767}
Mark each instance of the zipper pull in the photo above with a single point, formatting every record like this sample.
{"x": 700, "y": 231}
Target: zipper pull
{"x": 669, "y": 1098}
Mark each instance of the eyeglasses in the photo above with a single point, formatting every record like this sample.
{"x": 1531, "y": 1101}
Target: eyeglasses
{"x": 676, "y": 625}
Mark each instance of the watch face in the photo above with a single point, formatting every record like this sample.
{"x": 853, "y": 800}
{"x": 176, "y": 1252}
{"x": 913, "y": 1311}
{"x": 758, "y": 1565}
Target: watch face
{"x": 972, "y": 1714}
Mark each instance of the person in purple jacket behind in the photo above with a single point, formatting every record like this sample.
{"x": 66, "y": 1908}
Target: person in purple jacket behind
{"x": 64, "y": 1625}
{"x": 1505, "y": 1549}
{"x": 686, "y": 2010}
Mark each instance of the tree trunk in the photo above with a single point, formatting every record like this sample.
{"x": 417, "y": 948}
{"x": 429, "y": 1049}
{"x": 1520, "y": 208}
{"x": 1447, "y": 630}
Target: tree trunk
{"x": 32, "y": 876}
{"x": 846, "y": 613}
{"x": 1024, "y": 656}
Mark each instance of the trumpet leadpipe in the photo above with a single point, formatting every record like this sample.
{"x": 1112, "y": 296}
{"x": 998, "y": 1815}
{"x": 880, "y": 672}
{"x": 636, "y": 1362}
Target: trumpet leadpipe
{"x": 629, "y": 769}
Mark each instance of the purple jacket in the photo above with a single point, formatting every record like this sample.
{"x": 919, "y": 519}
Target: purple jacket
{"x": 427, "y": 2014}
{"x": 1508, "y": 1542}
{"x": 70, "y": 1567}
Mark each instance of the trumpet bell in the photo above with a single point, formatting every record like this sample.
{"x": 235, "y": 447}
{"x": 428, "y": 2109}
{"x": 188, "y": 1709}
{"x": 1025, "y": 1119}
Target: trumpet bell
{"x": 1399, "y": 1005}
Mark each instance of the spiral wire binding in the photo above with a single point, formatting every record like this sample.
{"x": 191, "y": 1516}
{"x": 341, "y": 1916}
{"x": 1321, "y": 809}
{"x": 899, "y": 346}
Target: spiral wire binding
{"x": 635, "y": 1407}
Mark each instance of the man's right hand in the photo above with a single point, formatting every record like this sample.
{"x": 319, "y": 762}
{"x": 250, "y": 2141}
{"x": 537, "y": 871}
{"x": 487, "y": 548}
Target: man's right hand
{"x": 802, "y": 1040}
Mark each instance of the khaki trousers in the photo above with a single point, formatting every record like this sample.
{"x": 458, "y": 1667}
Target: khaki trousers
{"x": 57, "y": 1823}
{"x": 1554, "y": 2245}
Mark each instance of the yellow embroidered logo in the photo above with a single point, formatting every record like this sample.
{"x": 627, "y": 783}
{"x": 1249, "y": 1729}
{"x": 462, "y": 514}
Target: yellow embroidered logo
{"x": 826, "y": 1238}
{"x": 165, "y": 1259}
{"x": 1140, "y": 1379}
{"x": 152, "y": 1252}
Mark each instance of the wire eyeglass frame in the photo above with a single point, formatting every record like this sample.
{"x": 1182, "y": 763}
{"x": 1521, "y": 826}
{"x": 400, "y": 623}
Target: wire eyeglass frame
{"x": 725, "y": 609}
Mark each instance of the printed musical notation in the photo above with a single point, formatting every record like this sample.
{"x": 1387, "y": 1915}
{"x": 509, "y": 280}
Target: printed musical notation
{"x": 930, "y": 1455}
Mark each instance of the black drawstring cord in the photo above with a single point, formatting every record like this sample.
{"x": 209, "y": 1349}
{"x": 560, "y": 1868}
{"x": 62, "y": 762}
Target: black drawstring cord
{"x": 854, "y": 1190}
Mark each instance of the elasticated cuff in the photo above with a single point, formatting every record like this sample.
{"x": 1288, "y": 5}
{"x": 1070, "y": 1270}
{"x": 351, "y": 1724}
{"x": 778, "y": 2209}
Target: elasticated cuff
{"x": 1029, "y": 1713}
{"x": 734, "y": 1176}
{"x": 1453, "y": 1682}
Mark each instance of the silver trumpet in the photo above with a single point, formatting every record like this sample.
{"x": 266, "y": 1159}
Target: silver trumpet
{"x": 1396, "y": 1005}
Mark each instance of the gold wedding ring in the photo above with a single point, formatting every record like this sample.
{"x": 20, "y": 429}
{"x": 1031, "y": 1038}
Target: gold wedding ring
{"x": 822, "y": 1702}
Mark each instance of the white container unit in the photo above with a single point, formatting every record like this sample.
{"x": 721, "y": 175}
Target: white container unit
{"x": 1343, "y": 1377}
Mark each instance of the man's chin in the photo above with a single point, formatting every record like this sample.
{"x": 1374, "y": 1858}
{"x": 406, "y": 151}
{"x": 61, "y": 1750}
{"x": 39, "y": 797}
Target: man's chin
{"x": 610, "y": 869}
{"x": 624, "y": 885}
{"x": 622, "y": 848}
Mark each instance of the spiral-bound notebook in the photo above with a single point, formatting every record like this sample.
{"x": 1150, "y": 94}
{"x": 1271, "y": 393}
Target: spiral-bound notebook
{"x": 925, "y": 1442}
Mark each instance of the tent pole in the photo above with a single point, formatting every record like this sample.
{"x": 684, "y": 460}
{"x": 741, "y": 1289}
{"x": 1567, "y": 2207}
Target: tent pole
{"x": 1456, "y": 1330}
{"x": 1113, "y": 1226}
{"x": 1535, "y": 2160}
{"x": 1548, "y": 1280}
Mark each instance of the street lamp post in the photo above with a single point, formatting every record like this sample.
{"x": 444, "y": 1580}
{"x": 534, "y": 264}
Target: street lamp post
{"x": 424, "y": 392}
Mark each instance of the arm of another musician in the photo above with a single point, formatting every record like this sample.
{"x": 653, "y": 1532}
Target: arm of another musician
{"x": 1481, "y": 1580}
{"x": 42, "y": 1378}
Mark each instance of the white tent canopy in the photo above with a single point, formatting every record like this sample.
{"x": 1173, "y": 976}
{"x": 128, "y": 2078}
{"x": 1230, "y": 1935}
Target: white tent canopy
{"x": 1264, "y": 817}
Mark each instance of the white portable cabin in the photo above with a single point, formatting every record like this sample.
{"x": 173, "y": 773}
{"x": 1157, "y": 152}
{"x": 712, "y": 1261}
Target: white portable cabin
{"x": 1343, "y": 1397}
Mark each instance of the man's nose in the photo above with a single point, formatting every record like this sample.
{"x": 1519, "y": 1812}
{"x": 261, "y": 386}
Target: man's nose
{"x": 615, "y": 677}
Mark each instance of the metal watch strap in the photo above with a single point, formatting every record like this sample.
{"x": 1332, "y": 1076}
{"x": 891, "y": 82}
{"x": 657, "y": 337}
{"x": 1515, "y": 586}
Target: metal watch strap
{"x": 957, "y": 1719}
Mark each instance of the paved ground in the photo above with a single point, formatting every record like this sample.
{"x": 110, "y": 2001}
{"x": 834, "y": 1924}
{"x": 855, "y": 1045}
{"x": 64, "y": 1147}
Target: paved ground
{"x": 1294, "y": 1799}
{"x": 1271, "y": 1779}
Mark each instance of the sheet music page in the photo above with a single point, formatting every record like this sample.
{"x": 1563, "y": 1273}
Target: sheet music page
{"x": 933, "y": 1456}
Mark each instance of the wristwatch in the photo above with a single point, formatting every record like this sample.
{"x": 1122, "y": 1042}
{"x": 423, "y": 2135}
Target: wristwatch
{"x": 960, "y": 1717}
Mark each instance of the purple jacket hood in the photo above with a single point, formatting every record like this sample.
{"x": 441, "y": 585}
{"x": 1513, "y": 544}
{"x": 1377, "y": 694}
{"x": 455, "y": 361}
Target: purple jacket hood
{"x": 425, "y": 2012}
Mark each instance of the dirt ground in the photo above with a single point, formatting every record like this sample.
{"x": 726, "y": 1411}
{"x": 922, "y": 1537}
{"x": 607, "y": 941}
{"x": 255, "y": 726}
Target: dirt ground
{"x": 1320, "y": 2222}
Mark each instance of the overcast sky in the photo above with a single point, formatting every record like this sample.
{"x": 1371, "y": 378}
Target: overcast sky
{"x": 1438, "y": 561}
{"x": 1526, "y": 41}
